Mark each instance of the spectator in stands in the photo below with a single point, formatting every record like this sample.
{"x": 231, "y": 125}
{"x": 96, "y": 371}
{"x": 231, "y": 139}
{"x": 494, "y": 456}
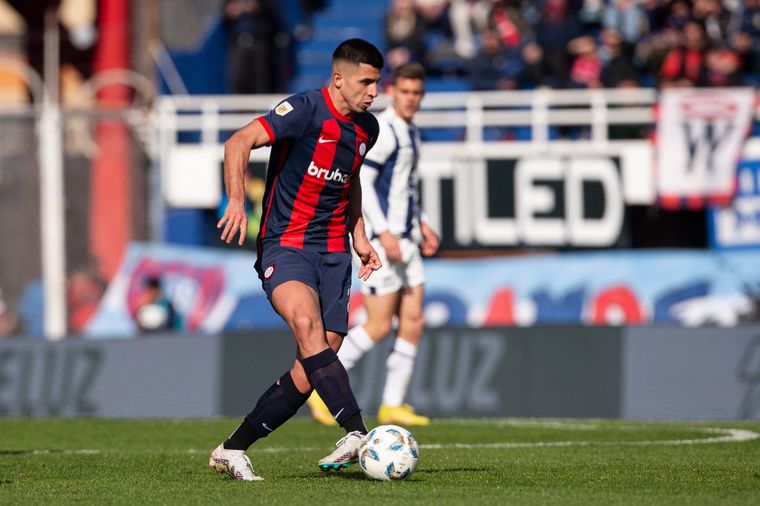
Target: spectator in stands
{"x": 507, "y": 20}
{"x": 468, "y": 19}
{"x": 679, "y": 15}
{"x": 589, "y": 12}
{"x": 747, "y": 39}
{"x": 684, "y": 65}
{"x": 435, "y": 14}
{"x": 155, "y": 312}
{"x": 723, "y": 68}
{"x": 656, "y": 13}
{"x": 617, "y": 68}
{"x": 448, "y": 37}
{"x": 715, "y": 19}
{"x": 664, "y": 34}
{"x": 628, "y": 18}
{"x": 404, "y": 34}
{"x": 586, "y": 68}
{"x": 490, "y": 69}
{"x": 257, "y": 46}
{"x": 554, "y": 30}
{"x": 535, "y": 73}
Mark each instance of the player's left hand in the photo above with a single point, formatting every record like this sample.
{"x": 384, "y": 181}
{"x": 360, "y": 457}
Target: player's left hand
{"x": 368, "y": 256}
{"x": 430, "y": 241}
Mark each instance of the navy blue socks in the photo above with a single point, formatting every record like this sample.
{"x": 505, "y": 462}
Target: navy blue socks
{"x": 282, "y": 400}
{"x": 330, "y": 380}
{"x": 276, "y": 406}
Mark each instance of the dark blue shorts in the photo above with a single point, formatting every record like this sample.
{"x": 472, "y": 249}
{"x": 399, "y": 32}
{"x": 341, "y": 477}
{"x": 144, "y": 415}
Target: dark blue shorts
{"x": 329, "y": 274}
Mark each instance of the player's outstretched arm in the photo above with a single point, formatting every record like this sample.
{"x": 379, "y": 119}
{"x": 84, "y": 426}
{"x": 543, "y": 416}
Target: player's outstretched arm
{"x": 370, "y": 261}
{"x": 237, "y": 149}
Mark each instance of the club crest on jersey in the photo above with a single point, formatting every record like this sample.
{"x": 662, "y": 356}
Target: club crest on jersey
{"x": 362, "y": 148}
{"x": 283, "y": 108}
{"x": 327, "y": 175}
{"x": 268, "y": 273}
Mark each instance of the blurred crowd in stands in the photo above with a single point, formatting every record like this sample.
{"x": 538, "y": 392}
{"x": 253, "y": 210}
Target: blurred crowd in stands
{"x": 517, "y": 44}
{"x": 521, "y": 44}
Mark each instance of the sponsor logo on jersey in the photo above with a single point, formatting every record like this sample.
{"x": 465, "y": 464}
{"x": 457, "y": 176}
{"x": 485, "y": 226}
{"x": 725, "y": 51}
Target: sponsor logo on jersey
{"x": 327, "y": 175}
{"x": 323, "y": 140}
{"x": 283, "y": 108}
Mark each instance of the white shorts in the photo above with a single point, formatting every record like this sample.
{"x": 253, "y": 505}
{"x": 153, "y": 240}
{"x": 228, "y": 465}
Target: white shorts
{"x": 391, "y": 277}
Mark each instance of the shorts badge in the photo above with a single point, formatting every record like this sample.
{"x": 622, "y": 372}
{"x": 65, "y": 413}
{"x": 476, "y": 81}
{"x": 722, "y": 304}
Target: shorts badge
{"x": 268, "y": 273}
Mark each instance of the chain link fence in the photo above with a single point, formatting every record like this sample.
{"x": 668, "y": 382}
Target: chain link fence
{"x": 105, "y": 171}
{"x": 20, "y": 259}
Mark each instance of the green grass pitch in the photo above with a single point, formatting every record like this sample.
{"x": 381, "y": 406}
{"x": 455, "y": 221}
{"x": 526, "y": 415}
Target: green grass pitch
{"x": 506, "y": 461}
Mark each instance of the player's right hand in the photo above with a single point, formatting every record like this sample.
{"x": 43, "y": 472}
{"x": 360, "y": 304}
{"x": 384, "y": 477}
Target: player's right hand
{"x": 391, "y": 246}
{"x": 235, "y": 219}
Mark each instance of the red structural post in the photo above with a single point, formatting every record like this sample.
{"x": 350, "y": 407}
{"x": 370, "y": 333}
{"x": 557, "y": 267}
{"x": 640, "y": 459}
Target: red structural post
{"x": 110, "y": 182}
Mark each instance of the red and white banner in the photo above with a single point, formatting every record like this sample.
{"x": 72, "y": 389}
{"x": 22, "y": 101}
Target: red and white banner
{"x": 700, "y": 135}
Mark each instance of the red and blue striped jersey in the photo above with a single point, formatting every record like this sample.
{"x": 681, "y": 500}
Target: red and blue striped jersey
{"x": 316, "y": 154}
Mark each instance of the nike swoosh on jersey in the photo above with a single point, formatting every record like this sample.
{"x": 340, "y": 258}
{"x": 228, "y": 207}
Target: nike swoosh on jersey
{"x": 322, "y": 140}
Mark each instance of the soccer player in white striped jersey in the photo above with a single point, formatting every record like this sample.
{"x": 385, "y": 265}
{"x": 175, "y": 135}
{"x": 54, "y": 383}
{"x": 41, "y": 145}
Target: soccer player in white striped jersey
{"x": 400, "y": 234}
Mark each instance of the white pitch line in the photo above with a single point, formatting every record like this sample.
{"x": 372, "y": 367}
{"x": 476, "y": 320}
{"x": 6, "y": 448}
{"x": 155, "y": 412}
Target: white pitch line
{"x": 721, "y": 436}
{"x": 726, "y": 436}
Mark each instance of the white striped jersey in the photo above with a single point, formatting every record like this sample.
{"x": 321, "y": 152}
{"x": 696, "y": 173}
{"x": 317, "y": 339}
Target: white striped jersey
{"x": 389, "y": 179}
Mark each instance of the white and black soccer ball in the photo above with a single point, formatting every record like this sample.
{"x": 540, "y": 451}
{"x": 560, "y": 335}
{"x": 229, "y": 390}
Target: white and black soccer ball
{"x": 389, "y": 452}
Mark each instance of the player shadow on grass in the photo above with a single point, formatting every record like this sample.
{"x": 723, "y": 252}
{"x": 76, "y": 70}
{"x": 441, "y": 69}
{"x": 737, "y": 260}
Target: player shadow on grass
{"x": 343, "y": 475}
{"x": 419, "y": 474}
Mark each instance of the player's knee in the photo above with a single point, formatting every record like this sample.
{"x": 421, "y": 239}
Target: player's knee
{"x": 304, "y": 327}
{"x": 412, "y": 325}
{"x": 378, "y": 328}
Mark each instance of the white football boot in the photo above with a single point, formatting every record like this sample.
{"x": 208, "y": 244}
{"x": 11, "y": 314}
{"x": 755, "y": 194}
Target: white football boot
{"x": 346, "y": 452}
{"x": 233, "y": 463}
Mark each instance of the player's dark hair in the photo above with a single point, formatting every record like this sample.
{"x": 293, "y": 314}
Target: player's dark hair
{"x": 358, "y": 51}
{"x": 408, "y": 71}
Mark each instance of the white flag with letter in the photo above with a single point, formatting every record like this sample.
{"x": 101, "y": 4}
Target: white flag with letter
{"x": 700, "y": 135}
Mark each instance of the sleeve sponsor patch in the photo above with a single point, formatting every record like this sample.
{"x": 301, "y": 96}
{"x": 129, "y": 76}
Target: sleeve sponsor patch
{"x": 283, "y": 108}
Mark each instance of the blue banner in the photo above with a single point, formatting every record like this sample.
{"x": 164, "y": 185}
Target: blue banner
{"x": 738, "y": 224}
{"x": 216, "y": 290}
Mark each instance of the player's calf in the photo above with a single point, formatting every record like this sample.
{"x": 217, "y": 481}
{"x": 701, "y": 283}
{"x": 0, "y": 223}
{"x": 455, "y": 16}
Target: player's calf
{"x": 319, "y": 410}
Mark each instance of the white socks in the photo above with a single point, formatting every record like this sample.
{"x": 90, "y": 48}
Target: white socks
{"x": 355, "y": 344}
{"x": 400, "y": 364}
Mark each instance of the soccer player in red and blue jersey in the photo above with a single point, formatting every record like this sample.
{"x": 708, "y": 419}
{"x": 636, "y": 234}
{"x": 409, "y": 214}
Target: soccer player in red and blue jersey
{"x": 312, "y": 203}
